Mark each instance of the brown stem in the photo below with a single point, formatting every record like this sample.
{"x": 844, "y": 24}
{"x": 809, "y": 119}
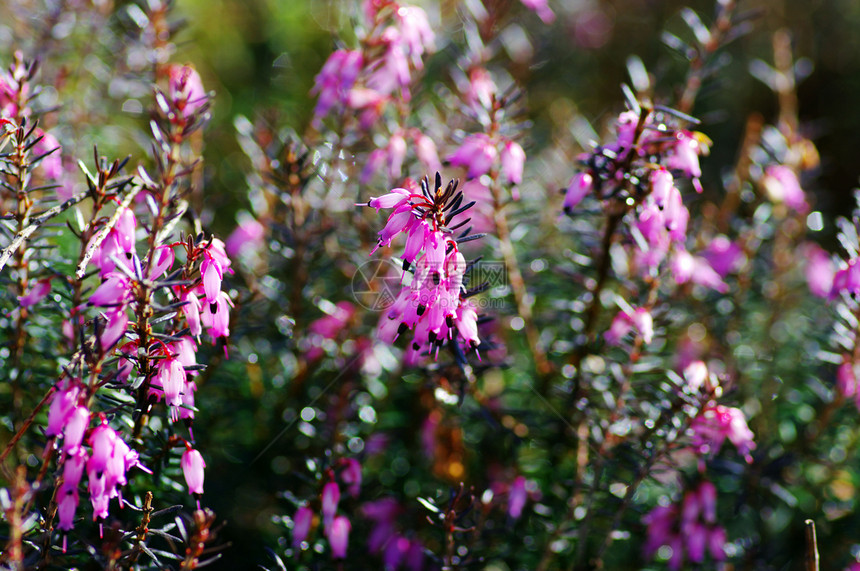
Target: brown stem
{"x": 518, "y": 286}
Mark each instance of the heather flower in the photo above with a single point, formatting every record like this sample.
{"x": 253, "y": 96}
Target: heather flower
{"x": 512, "y": 160}
{"x": 716, "y": 423}
{"x": 162, "y": 260}
{"x": 192, "y": 468}
{"x": 351, "y": 476}
{"x": 689, "y": 529}
{"x": 49, "y": 149}
{"x": 115, "y": 327}
{"x": 338, "y": 536}
{"x": 62, "y": 407}
{"x": 76, "y": 426}
{"x": 541, "y": 8}
{"x": 820, "y": 270}
{"x": 36, "y": 293}
{"x": 334, "y": 81}
{"x": 431, "y": 305}
{"x": 185, "y": 89}
{"x": 330, "y": 499}
{"x": 216, "y": 316}
{"x": 170, "y": 376}
{"x": 67, "y": 504}
{"x": 695, "y": 269}
{"x": 191, "y": 310}
{"x": 114, "y": 290}
{"x": 302, "y": 522}
{"x": 580, "y": 185}
{"x": 477, "y": 152}
{"x": 481, "y": 89}
{"x": 247, "y": 238}
{"x": 723, "y": 255}
{"x": 517, "y": 497}
{"x": 782, "y": 187}
{"x": 624, "y": 321}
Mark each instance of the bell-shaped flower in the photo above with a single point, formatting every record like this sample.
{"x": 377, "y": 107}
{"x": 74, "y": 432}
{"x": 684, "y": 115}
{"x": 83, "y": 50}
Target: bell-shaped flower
{"x": 247, "y": 238}
{"x": 477, "y": 152}
{"x": 351, "y": 476}
{"x": 185, "y": 89}
{"x": 36, "y": 293}
{"x": 67, "y": 504}
{"x": 63, "y": 404}
{"x": 76, "y": 427}
{"x": 782, "y": 187}
{"x": 191, "y": 310}
{"x": 171, "y": 377}
{"x": 517, "y": 497}
{"x": 115, "y": 327}
{"x": 102, "y": 441}
{"x": 192, "y": 468}
{"x": 115, "y": 290}
{"x": 302, "y": 522}
{"x": 330, "y": 499}
{"x": 162, "y": 260}
{"x": 513, "y": 159}
{"x": 580, "y": 185}
{"x": 338, "y": 536}
{"x": 217, "y": 319}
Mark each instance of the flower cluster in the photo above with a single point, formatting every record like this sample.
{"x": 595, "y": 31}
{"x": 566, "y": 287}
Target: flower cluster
{"x": 397, "y": 550}
{"x": 435, "y": 305}
{"x": 106, "y": 462}
{"x": 336, "y": 527}
{"x": 642, "y": 166}
{"x": 368, "y": 79}
{"x": 688, "y": 528}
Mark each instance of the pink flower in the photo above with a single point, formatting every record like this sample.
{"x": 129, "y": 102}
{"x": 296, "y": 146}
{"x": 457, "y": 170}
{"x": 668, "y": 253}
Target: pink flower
{"x": 247, "y": 238}
{"x": 302, "y": 525}
{"x": 335, "y": 80}
{"x": 115, "y": 290}
{"x": 67, "y": 504}
{"x": 716, "y": 423}
{"x": 580, "y": 185}
{"x": 192, "y": 468}
{"x": 820, "y": 270}
{"x": 63, "y": 405}
{"x": 76, "y": 426}
{"x": 478, "y": 153}
{"x": 115, "y": 328}
{"x": 723, "y": 255}
{"x": 541, "y": 8}
{"x": 338, "y": 536}
{"x": 517, "y": 497}
{"x": 52, "y": 163}
{"x": 782, "y": 186}
{"x": 170, "y": 376}
{"x": 425, "y": 151}
{"x": 624, "y": 322}
{"x": 36, "y": 293}
{"x": 688, "y": 268}
{"x": 481, "y": 88}
{"x": 330, "y": 499}
{"x": 162, "y": 260}
{"x": 185, "y": 89}
{"x": 191, "y": 310}
{"x": 351, "y": 475}
{"x": 513, "y": 159}
{"x": 217, "y": 321}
